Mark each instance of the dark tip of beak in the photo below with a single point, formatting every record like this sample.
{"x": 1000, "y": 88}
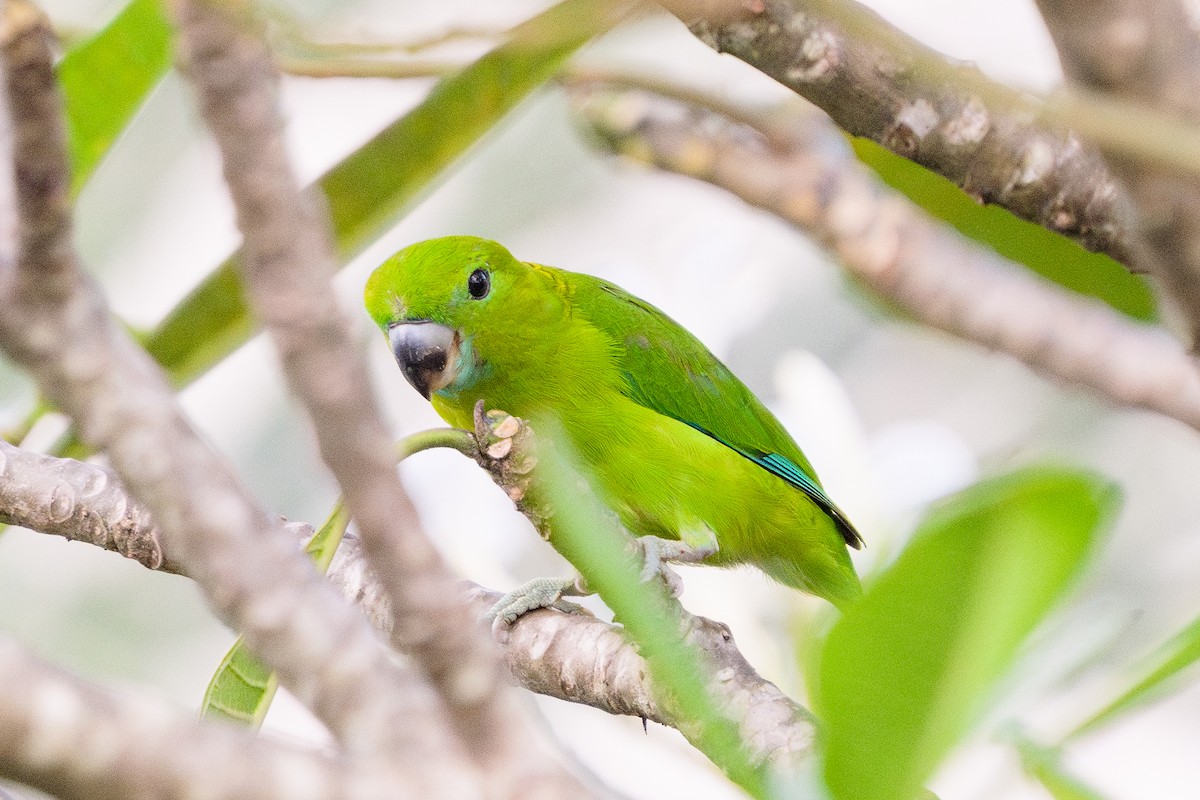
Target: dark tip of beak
{"x": 424, "y": 351}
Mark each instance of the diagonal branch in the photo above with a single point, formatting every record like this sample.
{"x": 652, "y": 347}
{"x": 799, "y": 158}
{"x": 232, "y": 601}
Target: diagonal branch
{"x": 876, "y": 82}
{"x": 805, "y": 176}
{"x": 56, "y": 324}
{"x": 583, "y": 660}
{"x": 288, "y": 267}
{"x": 571, "y": 657}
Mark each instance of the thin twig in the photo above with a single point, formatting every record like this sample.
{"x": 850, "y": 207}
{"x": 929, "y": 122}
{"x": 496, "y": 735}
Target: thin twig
{"x": 938, "y": 276}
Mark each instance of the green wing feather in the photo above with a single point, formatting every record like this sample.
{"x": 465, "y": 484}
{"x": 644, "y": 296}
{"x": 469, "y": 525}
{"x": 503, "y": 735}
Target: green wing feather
{"x": 709, "y": 397}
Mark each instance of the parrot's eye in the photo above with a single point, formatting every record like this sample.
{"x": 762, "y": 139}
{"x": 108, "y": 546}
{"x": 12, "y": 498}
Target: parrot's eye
{"x": 479, "y": 284}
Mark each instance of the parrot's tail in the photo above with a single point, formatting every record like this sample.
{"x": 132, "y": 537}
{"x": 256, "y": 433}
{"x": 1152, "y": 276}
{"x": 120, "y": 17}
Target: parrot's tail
{"x": 830, "y": 578}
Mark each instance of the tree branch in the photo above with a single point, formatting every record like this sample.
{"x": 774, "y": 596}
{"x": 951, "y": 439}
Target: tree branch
{"x": 800, "y": 172}
{"x": 77, "y": 501}
{"x": 288, "y": 266}
{"x": 583, "y": 660}
{"x": 1145, "y": 51}
{"x": 55, "y": 324}
{"x": 874, "y": 82}
{"x": 571, "y": 657}
{"x": 79, "y": 742}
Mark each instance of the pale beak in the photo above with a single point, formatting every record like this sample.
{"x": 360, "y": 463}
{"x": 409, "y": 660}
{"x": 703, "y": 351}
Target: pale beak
{"x": 427, "y": 354}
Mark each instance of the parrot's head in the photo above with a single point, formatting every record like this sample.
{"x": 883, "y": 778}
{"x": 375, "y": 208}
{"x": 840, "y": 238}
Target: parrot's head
{"x": 455, "y": 309}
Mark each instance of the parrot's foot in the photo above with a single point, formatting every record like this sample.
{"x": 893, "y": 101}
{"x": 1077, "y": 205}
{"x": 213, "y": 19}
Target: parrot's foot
{"x": 658, "y": 553}
{"x": 538, "y": 593}
{"x": 503, "y": 450}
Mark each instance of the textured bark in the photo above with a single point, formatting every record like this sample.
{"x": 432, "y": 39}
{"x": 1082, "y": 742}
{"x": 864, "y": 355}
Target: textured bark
{"x": 572, "y": 657}
{"x": 794, "y": 167}
{"x": 581, "y": 659}
{"x": 1147, "y": 52}
{"x": 875, "y": 81}
{"x": 56, "y": 325}
{"x": 78, "y": 501}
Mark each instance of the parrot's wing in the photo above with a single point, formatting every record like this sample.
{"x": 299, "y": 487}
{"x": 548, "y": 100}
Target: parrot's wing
{"x": 669, "y": 371}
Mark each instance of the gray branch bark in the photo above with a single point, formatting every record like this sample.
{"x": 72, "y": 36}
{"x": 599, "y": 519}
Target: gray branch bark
{"x": 288, "y": 266}
{"x": 583, "y": 660}
{"x": 792, "y": 166}
{"x": 79, "y": 742}
{"x": 874, "y": 81}
{"x": 56, "y": 324}
{"x": 78, "y": 501}
{"x": 1145, "y": 51}
{"x": 571, "y": 657}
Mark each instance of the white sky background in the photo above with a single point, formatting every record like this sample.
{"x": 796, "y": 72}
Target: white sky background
{"x": 891, "y": 415}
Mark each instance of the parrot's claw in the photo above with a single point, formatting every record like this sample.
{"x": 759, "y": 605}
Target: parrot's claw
{"x": 537, "y": 593}
{"x": 658, "y": 553}
{"x": 502, "y": 440}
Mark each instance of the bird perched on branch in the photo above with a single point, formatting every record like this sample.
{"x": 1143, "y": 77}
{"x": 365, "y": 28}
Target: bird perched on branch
{"x": 683, "y": 453}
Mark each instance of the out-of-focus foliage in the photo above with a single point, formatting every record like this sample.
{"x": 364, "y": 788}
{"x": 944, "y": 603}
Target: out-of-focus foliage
{"x": 588, "y": 536}
{"x": 1156, "y": 676}
{"x": 910, "y": 667}
{"x": 1044, "y": 764}
{"x": 1054, "y": 257}
{"x": 106, "y": 78}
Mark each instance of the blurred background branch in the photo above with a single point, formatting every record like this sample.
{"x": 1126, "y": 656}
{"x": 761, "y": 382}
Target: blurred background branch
{"x": 793, "y": 165}
{"x": 875, "y": 81}
{"x": 80, "y": 742}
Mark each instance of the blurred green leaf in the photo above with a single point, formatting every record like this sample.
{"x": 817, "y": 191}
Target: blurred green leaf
{"x": 1045, "y": 765}
{"x": 909, "y": 668}
{"x": 106, "y": 79}
{"x": 369, "y": 190}
{"x": 1158, "y": 673}
{"x": 243, "y": 687}
{"x": 588, "y": 536}
{"x": 1049, "y": 254}
{"x": 241, "y": 690}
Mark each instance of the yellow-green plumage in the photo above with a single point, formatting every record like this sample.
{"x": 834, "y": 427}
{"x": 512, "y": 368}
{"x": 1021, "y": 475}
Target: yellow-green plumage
{"x": 667, "y": 435}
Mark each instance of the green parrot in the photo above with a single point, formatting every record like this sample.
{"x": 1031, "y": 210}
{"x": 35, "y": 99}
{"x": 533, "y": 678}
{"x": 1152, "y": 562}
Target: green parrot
{"x": 684, "y": 454}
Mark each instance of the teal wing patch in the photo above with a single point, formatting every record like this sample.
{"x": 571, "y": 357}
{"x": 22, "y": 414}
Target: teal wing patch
{"x": 779, "y": 465}
{"x": 668, "y": 370}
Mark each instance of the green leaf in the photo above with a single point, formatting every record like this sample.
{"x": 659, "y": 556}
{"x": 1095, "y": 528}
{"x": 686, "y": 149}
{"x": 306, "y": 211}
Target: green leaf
{"x": 1158, "y": 674}
{"x": 241, "y": 690}
{"x": 1045, "y": 765}
{"x": 910, "y": 667}
{"x": 1049, "y": 254}
{"x": 107, "y": 77}
{"x": 243, "y": 687}
{"x": 368, "y": 192}
{"x": 586, "y": 534}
